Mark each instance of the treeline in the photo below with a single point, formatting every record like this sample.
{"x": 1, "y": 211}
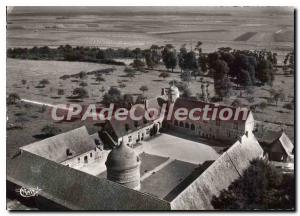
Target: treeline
{"x": 69, "y": 53}
{"x": 244, "y": 68}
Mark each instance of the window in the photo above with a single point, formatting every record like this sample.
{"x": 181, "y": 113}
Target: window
{"x": 187, "y": 125}
{"x": 85, "y": 159}
{"x": 129, "y": 139}
{"x": 78, "y": 160}
{"x": 181, "y": 124}
{"x": 148, "y": 131}
{"x": 176, "y": 123}
{"x": 91, "y": 154}
{"x": 192, "y": 127}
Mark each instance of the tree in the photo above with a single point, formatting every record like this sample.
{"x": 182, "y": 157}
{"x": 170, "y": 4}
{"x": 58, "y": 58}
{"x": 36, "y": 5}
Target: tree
{"x": 12, "y": 98}
{"x": 277, "y": 95}
{"x": 186, "y": 76}
{"x": 191, "y": 61}
{"x": 82, "y": 75}
{"x": 113, "y": 96}
{"x": 236, "y": 103}
{"x": 265, "y": 71}
{"x": 261, "y": 187}
{"x": 263, "y": 105}
{"x": 181, "y": 57}
{"x": 137, "y": 52}
{"x": 50, "y": 130}
{"x": 129, "y": 72}
{"x": 80, "y": 93}
{"x": 164, "y": 75}
{"x": 128, "y": 101}
{"x": 100, "y": 79}
{"x": 187, "y": 93}
{"x": 138, "y": 64}
{"x": 149, "y": 59}
{"x": 23, "y": 81}
{"x": 44, "y": 82}
{"x": 202, "y": 62}
{"x": 222, "y": 83}
{"x": 169, "y": 57}
{"x": 144, "y": 88}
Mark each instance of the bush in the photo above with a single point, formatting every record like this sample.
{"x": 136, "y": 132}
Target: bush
{"x": 137, "y": 64}
{"x": 83, "y": 84}
{"x": 44, "y": 82}
{"x": 23, "y": 82}
{"x": 60, "y": 92}
{"x": 12, "y": 98}
{"x": 50, "y": 130}
{"x": 144, "y": 88}
{"x": 80, "y": 92}
{"x": 289, "y": 106}
{"x": 122, "y": 85}
{"x": 64, "y": 77}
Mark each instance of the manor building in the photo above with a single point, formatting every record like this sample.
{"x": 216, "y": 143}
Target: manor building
{"x": 208, "y": 127}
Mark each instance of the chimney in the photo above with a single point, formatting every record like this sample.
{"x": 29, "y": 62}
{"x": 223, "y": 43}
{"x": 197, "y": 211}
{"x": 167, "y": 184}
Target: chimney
{"x": 163, "y": 92}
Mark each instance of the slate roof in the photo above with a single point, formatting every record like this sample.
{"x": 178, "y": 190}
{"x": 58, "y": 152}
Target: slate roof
{"x": 74, "y": 189}
{"x": 269, "y": 136}
{"x": 54, "y": 148}
{"x": 128, "y": 125}
{"x": 285, "y": 142}
{"x": 218, "y": 176}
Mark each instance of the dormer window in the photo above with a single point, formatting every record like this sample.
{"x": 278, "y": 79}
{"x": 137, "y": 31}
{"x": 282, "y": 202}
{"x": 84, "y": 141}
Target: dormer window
{"x": 69, "y": 152}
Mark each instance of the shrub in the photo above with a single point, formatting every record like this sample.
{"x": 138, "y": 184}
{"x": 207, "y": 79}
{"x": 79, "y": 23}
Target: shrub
{"x": 122, "y": 85}
{"x": 144, "y": 88}
{"x": 44, "y": 82}
{"x": 100, "y": 79}
{"x": 12, "y": 98}
{"x": 164, "y": 75}
{"x": 289, "y": 106}
{"x": 83, "y": 84}
{"x": 50, "y": 130}
{"x": 60, "y": 92}
{"x": 23, "y": 81}
{"x": 64, "y": 77}
{"x": 137, "y": 64}
{"x": 80, "y": 92}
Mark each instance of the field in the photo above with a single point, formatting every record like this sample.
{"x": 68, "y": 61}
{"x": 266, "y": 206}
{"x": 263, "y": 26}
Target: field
{"x": 33, "y": 71}
{"x": 115, "y": 29}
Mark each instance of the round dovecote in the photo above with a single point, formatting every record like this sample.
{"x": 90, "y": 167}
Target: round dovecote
{"x": 123, "y": 167}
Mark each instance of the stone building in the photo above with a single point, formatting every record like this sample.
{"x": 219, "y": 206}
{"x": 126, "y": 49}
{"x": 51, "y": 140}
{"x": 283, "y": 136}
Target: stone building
{"x": 73, "y": 148}
{"x": 228, "y": 130}
{"x": 123, "y": 166}
{"x": 132, "y": 131}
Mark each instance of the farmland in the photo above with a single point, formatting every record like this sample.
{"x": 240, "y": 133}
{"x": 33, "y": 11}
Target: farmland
{"x": 136, "y": 30}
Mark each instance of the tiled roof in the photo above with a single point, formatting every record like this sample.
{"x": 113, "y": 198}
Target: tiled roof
{"x": 74, "y": 189}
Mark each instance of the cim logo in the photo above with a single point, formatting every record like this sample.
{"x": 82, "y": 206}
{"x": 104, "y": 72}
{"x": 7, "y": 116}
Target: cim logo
{"x": 28, "y": 192}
